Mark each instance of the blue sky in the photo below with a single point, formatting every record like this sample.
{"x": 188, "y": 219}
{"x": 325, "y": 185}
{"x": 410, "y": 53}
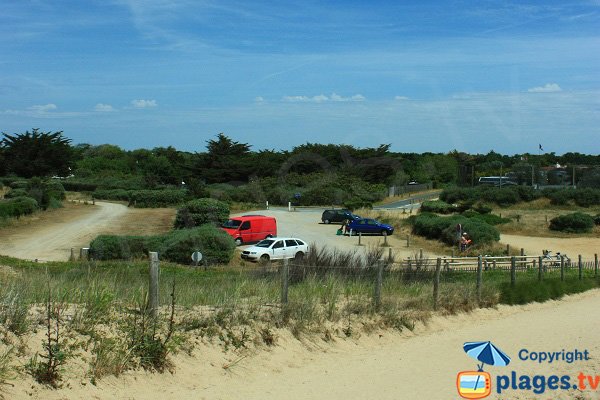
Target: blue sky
{"x": 424, "y": 76}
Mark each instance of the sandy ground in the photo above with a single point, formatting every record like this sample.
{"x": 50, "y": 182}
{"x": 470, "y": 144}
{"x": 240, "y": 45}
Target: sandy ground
{"x": 419, "y": 365}
{"x": 585, "y": 246}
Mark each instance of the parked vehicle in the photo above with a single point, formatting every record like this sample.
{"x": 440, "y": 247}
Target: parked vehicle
{"x": 250, "y": 228}
{"x": 276, "y": 249}
{"x": 339, "y": 215}
{"x": 369, "y": 226}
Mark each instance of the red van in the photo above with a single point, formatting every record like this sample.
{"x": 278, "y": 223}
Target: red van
{"x": 250, "y": 228}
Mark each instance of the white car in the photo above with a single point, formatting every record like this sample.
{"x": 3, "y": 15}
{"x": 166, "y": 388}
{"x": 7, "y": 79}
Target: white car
{"x": 276, "y": 249}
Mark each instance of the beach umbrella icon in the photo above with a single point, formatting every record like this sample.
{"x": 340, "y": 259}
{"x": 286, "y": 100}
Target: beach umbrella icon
{"x": 487, "y": 353}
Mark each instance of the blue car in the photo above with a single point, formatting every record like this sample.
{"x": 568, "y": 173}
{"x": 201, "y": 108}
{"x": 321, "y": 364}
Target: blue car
{"x": 370, "y": 226}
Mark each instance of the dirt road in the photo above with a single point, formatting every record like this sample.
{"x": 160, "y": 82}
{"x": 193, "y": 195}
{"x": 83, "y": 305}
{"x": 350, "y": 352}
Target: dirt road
{"x": 52, "y": 237}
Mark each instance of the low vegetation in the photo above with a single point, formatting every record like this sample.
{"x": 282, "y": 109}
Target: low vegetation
{"x": 572, "y": 223}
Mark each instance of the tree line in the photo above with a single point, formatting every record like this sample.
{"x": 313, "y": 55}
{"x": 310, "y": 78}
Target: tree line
{"x": 224, "y": 160}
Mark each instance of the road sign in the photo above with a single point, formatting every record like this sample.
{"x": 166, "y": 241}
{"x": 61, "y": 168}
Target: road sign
{"x": 196, "y": 257}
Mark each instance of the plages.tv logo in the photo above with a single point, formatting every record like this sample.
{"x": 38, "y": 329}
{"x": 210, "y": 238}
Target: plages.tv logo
{"x": 478, "y": 384}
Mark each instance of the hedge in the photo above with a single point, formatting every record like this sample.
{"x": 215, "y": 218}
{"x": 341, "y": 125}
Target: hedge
{"x": 437, "y": 206}
{"x": 112, "y": 194}
{"x": 156, "y": 198}
{"x": 216, "y": 246}
{"x": 574, "y": 223}
{"x": 201, "y": 211}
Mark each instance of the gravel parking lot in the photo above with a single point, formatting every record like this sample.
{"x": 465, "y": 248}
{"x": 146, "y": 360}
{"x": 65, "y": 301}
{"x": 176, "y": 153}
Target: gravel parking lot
{"x": 305, "y": 223}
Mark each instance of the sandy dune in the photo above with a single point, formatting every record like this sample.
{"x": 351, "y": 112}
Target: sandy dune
{"x": 420, "y": 365}
{"x": 585, "y": 246}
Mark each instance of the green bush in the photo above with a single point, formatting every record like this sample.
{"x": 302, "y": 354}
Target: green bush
{"x": 16, "y": 193}
{"x": 201, "y": 211}
{"x": 156, "y": 198}
{"x": 587, "y": 197}
{"x": 19, "y": 184}
{"x": 597, "y": 219}
{"x": 437, "y": 206}
{"x": 444, "y": 228}
{"x": 487, "y": 218}
{"x": 482, "y": 208}
{"x": 560, "y": 197}
{"x": 574, "y": 223}
{"x": 17, "y": 207}
{"x": 216, "y": 246}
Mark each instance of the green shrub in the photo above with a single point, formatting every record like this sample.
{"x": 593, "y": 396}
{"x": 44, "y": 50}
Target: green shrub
{"x": 574, "y": 223}
{"x": 504, "y": 196}
{"x": 19, "y": 184}
{"x": 482, "y": 208}
{"x": 437, "y": 206}
{"x": 444, "y": 228}
{"x": 587, "y": 197}
{"x": 17, "y": 207}
{"x": 216, "y": 246}
{"x": 597, "y": 219}
{"x": 560, "y": 197}
{"x": 157, "y": 198}
{"x": 201, "y": 211}
{"x": 487, "y": 218}
{"x": 16, "y": 193}
{"x": 111, "y": 247}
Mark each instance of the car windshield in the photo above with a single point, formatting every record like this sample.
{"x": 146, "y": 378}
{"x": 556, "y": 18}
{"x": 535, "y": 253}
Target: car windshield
{"x": 265, "y": 243}
{"x": 232, "y": 224}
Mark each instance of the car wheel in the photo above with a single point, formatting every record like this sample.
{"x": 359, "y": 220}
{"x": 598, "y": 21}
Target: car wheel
{"x": 268, "y": 236}
{"x": 264, "y": 259}
{"x": 299, "y": 256}
{"x": 384, "y": 233}
{"x": 326, "y": 221}
{"x": 238, "y": 241}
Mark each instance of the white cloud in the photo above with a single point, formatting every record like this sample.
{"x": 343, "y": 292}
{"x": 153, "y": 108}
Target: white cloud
{"x": 103, "y": 107}
{"x": 401, "y": 98}
{"x": 323, "y": 98}
{"x": 259, "y": 99}
{"x": 547, "y": 88}
{"x": 44, "y": 108}
{"x": 143, "y": 103}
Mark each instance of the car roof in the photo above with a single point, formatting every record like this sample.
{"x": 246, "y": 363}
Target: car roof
{"x": 284, "y": 238}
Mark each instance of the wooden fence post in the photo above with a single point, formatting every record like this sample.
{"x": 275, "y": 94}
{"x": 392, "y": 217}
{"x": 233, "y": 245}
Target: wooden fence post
{"x": 390, "y": 256}
{"x": 479, "y": 276}
{"x": 407, "y": 240}
{"x": 541, "y": 268}
{"x": 513, "y": 271}
{"x": 420, "y": 254}
{"x": 285, "y": 281}
{"x": 84, "y": 253}
{"x": 580, "y": 267}
{"x": 378, "y": 285}
{"x": 595, "y": 265}
{"x": 359, "y": 238}
{"x": 508, "y": 249}
{"x": 72, "y": 256}
{"x": 562, "y": 268}
{"x": 153, "y": 289}
{"x": 436, "y": 283}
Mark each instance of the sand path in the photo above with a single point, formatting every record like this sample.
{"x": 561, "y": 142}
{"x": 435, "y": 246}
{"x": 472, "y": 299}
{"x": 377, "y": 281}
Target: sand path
{"x": 53, "y": 238}
{"x": 586, "y": 246}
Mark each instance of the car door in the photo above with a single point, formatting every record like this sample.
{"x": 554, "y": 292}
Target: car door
{"x": 246, "y": 232}
{"x": 291, "y": 248}
{"x": 278, "y": 250}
